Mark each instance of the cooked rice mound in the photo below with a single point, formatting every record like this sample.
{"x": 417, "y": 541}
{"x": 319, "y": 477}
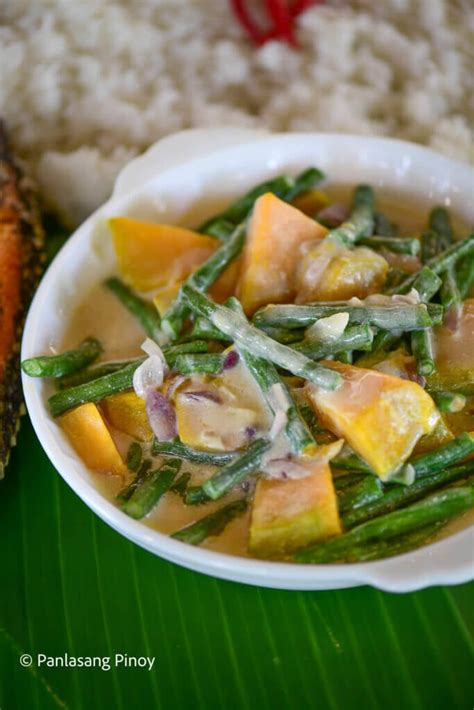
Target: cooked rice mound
{"x": 86, "y": 86}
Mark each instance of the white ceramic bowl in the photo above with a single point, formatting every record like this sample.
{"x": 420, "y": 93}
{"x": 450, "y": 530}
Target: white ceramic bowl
{"x": 173, "y": 182}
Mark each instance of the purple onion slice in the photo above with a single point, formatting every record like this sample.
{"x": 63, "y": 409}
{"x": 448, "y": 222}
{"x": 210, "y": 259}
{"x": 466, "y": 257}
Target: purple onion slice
{"x": 161, "y": 416}
{"x": 231, "y": 360}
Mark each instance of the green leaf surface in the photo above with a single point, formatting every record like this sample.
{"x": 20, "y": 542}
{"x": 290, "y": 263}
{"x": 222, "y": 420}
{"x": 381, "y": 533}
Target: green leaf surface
{"x": 69, "y": 583}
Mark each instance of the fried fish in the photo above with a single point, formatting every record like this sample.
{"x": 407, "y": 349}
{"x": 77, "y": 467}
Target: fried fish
{"x": 21, "y": 259}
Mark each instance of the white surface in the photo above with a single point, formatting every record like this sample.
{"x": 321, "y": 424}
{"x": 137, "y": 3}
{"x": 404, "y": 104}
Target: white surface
{"x": 85, "y": 85}
{"x": 174, "y": 190}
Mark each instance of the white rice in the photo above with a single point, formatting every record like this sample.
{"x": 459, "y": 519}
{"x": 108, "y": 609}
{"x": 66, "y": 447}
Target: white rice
{"x": 86, "y": 85}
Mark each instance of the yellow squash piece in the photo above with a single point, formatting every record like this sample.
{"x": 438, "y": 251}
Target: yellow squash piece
{"x": 311, "y": 202}
{"x": 226, "y": 284}
{"x": 380, "y": 416}
{"x": 399, "y": 363}
{"x": 165, "y": 297}
{"x": 88, "y": 434}
{"x": 276, "y": 234}
{"x": 329, "y": 272}
{"x": 126, "y": 412}
{"x": 161, "y": 256}
{"x": 289, "y": 514}
{"x": 154, "y": 255}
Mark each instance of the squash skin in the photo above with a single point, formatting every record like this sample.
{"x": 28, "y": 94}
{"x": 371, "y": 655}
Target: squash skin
{"x": 288, "y": 514}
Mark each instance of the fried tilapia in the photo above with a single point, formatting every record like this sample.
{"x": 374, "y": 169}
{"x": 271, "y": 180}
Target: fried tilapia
{"x": 21, "y": 258}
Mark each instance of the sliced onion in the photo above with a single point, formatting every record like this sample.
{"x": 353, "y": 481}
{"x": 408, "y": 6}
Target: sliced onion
{"x": 151, "y": 373}
{"x": 379, "y": 299}
{"x": 277, "y": 397}
{"x": 231, "y": 360}
{"x": 250, "y": 433}
{"x": 285, "y": 468}
{"x": 203, "y": 394}
{"x": 405, "y": 475}
{"x": 328, "y": 329}
{"x": 375, "y": 299}
{"x": 148, "y": 376}
{"x": 175, "y": 383}
{"x": 408, "y": 299}
{"x": 161, "y": 416}
{"x": 151, "y": 348}
{"x": 333, "y": 215}
{"x": 411, "y": 299}
{"x": 279, "y": 423}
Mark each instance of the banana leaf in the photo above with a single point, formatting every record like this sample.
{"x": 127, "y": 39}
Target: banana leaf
{"x": 70, "y": 584}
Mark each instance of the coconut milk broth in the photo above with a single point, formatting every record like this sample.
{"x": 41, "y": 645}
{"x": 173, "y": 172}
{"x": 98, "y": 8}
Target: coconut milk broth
{"x": 101, "y": 314}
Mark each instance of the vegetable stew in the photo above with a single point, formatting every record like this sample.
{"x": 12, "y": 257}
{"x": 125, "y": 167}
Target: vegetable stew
{"x": 292, "y": 380}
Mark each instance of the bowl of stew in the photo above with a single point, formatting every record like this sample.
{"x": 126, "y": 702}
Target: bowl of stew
{"x": 256, "y": 360}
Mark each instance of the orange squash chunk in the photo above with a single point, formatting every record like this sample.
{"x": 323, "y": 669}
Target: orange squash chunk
{"x": 311, "y": 202}
{"x": 289, "y": 514}
{"x": 275, "y": 236}
{"x": 165, "y": 296}
{"x": 226, "y": 284}
{"x": 161, "y": 256}
{"x": 154, "y": 255}
{"x": 380, "y": 416}
{"x": 126, "y": 411}
{"x": 89, "y": 436}
{"x": 329, "y": 272}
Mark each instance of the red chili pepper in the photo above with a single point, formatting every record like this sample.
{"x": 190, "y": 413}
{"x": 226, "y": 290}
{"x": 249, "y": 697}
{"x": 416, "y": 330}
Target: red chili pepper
{"x": 282, "y": 21}
{"x": 300, "y": 6}
{"x": 281, "y": 15}
{"x": 247, "y": 22}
